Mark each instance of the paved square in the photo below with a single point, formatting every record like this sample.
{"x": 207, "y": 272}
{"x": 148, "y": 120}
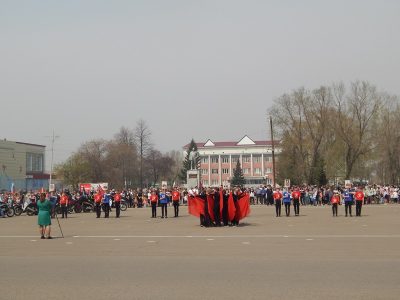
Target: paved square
{"x": 314, "y": 256}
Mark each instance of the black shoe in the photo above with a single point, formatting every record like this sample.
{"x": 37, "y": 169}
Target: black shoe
{"x": 42, "y": 237}
{"x": 49, "y": 238}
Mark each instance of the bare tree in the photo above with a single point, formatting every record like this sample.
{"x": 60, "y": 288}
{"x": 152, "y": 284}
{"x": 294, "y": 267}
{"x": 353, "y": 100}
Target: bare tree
{"x": 355, "y": 116}
{"x": 93, "y": 152}
{"x": 125, "y": 136}
{"x": 143, "y": 145}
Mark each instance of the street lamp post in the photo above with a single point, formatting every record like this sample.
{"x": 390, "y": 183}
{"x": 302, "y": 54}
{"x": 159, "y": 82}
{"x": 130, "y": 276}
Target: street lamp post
{"x": 53, "y": 137}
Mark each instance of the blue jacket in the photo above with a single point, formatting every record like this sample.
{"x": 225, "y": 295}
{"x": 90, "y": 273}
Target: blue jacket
{"x": 163, "y": 198}
{"x": 286, "y": 197}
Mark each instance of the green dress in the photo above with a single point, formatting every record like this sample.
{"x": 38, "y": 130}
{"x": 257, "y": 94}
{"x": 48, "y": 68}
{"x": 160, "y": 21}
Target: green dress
{"x": 44, "y": 212}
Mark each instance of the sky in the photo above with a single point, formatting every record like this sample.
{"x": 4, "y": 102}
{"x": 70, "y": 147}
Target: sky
{"x": 204, "y": 69}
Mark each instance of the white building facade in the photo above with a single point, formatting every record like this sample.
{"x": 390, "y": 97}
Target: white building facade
{"x": 218, "y": 161}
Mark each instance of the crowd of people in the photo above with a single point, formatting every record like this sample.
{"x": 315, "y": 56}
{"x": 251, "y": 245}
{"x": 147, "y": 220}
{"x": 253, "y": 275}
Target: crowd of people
{"x": 262, "y": 195}
{"x": 213, "y": 206}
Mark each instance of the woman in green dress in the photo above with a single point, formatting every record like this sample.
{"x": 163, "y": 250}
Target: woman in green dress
{"x": 44, "y": 219}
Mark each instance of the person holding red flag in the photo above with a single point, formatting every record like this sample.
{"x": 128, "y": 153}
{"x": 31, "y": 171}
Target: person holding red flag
{"x": 217, "y": 206}
{"x": 225, "y": 211}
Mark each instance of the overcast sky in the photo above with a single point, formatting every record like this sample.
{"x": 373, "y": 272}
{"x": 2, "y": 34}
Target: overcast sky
{"x": 190, "y": 69}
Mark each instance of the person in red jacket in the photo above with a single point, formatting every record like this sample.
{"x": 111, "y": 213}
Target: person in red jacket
{"x": 117, "y": 202}
{"x": 97, "y": 202}
{"x": 64, "y": 205}
{"x": 296, "y": 195}
{"x": 359, "y": 196}
{"x": 176, "y": 197}
{"x": 153, "y": 200}
{"x": 278, "y": 201}
{"x": 335, "y": 200}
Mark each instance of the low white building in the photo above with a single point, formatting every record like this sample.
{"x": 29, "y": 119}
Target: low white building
{"x": 218, "y": 161}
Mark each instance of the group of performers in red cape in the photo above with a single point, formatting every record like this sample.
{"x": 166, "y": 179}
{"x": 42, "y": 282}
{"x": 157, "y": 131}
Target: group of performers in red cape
{"x": 219, "y": 207}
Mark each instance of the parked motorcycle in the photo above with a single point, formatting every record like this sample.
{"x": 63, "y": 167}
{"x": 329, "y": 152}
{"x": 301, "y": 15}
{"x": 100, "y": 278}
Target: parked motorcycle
{"x": 8, "y": 210}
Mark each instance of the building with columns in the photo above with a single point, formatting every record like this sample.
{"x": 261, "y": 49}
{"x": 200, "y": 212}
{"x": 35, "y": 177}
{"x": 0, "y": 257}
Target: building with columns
{"x": 218, "y": 161}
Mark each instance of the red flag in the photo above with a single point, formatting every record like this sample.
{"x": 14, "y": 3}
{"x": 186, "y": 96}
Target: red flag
{"x": 196, "y": 206}
{"x": 243, "y": 204}
{"x": 231, "y": 208}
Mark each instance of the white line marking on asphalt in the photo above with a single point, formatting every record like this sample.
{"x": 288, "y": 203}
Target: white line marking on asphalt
{"x": 396, "y": 236}
{"x": 309, "y": 239}
{"x": 33, "y": 240}
{"x": 246, "y": 243}
{"x": 246, "y": 236}
{"x": 69, "y": 243}
{"x": 210, "y": 239}
{"x": 117, "y": 239}
{"x": 285, "y": 236}
{"x": 151, "y": 241}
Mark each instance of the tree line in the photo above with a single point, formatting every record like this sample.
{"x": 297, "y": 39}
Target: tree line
{"x": 129, "y": 160}
{"x": 338, "y": 132}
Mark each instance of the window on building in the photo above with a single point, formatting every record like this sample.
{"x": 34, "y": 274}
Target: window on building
{"x": 214, "y": 182}
{"x": 268, "y": 158}
{"x": 225, "y": 159}
{"x": 34, "y": 162}
{"x": 204, "y": 171}
{"x": 204, "y": 159}
{"x": 225, "y": 171}
{"x": 205, "y": 182}
{"x": 246, "y": 158}
{"x": 214, "y": 159}
{"x": 235, "y": 159}
{"x": 257, "y": 159}
{"x": 268, "y": 170}
{"x": 246, "y": 171}
{"x": 257, "y": 171}
{"x": 214, "y": 171}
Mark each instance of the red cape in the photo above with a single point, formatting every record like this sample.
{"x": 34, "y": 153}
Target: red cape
{"x": 195, "y": 206}
{"x": 243, "y": 205}
{"x": 231, "y": 208}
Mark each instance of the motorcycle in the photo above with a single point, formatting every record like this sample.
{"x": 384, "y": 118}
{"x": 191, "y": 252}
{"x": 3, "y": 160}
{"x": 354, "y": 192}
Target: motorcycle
{"x": 123, "y": 205}
{"x": 8, "y": 210}
{"x": 87, "y": 206}
{"x": 30, "y": 210}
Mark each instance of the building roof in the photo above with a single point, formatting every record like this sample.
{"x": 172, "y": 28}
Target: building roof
{"x": 36, "y": 145}
{"x": 245, "y": 141}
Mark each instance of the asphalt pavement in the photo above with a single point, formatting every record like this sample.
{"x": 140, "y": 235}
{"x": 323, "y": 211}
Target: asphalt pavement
{"x": 312, "y": 256}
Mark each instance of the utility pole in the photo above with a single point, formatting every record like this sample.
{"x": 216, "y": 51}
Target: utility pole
{"x": 273, "y": 151}
{"x": 53, "y": 137}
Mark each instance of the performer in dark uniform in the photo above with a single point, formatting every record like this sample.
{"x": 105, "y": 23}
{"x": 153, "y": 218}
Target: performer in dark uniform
{"x": 225, "y": 217}
{"x": 235, "y": 196}
{"x": 217, "y": 211}
{"x": 204, "y": 219}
